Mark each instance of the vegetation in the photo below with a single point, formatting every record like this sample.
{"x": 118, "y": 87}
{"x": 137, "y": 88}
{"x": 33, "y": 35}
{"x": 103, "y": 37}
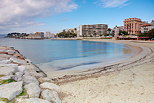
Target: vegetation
{"x": 4, "y": 100}
{"x": 6, "y": 81}
{"x": 123, "y": 33}
{"x": 2, "y": 75}
{"x": 24, "y": 93}
{"x": 65, "y": 34}
{"x": 149, "y": 34}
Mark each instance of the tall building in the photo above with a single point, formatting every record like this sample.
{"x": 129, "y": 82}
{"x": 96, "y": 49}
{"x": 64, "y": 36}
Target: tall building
{"x": 92, "y": 30}
{"x": 133, "y": 25}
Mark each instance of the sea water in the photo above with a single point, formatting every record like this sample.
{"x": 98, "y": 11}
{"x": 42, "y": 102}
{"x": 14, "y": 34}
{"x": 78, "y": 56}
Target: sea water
{"x": 68, "y": 54}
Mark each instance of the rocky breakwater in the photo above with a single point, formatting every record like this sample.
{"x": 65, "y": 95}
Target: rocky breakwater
{"x": 23, "y": 82}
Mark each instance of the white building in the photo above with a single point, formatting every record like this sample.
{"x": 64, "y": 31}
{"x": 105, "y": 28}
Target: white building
{"x": 49, "y": 35}
{"x": 92, "y": 30}
{"x": 146, "y": 28}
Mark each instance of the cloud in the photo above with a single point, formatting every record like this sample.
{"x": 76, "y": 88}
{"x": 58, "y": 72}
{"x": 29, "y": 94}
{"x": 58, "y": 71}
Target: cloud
{"x": 19, "y": 13}
{"x": 113, "y": 3}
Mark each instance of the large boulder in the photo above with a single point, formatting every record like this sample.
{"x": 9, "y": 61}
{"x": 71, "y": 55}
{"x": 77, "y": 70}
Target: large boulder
{"x": 35, "y": 71}
{"x": 5, "y": 61}
{"x": 33, "y": 90}
{"x": 31, "y": 100}
{"x": 30, "y": 79}
{"x": 10, "y": 90}
{"x": 51, "y": 96}
{"x": 4, "y": 56}
{"x": 21, "y": 69}
{"x": 7, "y": 70}
{"x": 11, "y": 52}
{"x": 51, "y": 86}
{"x": 6, "y": 77}
{"x": 18, "y": 61}
{"x": 18, "y": 76}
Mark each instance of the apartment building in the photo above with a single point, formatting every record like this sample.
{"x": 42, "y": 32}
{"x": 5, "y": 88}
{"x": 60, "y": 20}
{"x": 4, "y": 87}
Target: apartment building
{"x": 133, "y": 25}
{"x": 147, "y": 27}
{"x": 92, "y": 30}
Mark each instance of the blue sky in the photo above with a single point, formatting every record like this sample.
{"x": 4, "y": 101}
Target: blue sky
{"x": 70, "y": 14}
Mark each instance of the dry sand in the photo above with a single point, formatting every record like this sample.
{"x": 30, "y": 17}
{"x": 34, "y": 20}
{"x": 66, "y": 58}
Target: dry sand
{"x": 131, "y": 81}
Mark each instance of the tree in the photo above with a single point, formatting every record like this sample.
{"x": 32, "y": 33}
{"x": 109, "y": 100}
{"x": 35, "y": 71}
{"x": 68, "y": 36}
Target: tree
{"x": 123, "y": 33}
{"x": 148, "y": 34}
{"x": 65, "y": 34}
{"x": 151, "y": 33}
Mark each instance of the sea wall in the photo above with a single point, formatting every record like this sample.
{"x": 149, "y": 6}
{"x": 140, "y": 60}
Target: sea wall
{"x": 23, "y": 82}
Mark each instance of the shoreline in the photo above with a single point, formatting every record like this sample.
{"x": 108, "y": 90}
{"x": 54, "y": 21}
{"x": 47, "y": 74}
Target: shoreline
{"x": 65, "y": 76}
{"x": 107, "y": 84}
{"x": 127, "y": 82}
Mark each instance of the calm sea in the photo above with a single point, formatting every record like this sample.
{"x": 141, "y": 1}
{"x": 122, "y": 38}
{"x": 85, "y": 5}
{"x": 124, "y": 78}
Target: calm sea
{"x": 68, "y": 54}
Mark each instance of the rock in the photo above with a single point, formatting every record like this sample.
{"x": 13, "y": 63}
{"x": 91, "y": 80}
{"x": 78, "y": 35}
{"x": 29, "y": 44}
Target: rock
{"x": 51, "y": 96}
{"x": 7, "y": 70}
{"x": 8, "y": 65}
{"x": 35, "y": 71}
{"x": 17, "y": 55}
{"x": 44, "y": 79}
{"x": 18, "y": 76}
{"x": 29, "y": 61}
{"x": 33, "y": 90}
{"x": 2, "y": 102}
{"x": 6, "y": 77}
{"x": 31, "y": 100}
{"x": 21, "y": 69}
{"x": 11, "y": 52}
{"x": 29, "y": 79}
{"x": 10, "y": 90}
{"x": 5, "y": 56}
{"x": 5, "y": 61}
{"x": 51, "y": 86}
{"x": 18, "y": 61}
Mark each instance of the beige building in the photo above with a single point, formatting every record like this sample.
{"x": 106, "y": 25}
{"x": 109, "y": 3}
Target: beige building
{"x": 133, "y": 25}
{"x": 37, "y": 35}
{"x": 49, "y": 35}
{"x": 117, "y": 30}
{"x": 92, "y": 30}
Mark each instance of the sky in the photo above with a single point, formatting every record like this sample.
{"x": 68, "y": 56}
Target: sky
{"x": 55, "y": 15}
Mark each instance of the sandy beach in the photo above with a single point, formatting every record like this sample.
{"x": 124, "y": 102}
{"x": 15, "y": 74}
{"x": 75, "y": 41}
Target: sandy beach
{"x": 128, "y": 81}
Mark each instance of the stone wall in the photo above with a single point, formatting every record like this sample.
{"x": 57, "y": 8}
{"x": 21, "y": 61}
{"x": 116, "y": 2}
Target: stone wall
{"x": 23, "y": 82}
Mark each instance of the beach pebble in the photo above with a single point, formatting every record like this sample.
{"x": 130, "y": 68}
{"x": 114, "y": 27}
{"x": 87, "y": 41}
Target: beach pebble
{"x": 10, "y": 90}
{"x": 51, "y": 96}
{"x": 51, "y": 86}
{"x": 31, "y": 100}
{"x": 33, "y": 90}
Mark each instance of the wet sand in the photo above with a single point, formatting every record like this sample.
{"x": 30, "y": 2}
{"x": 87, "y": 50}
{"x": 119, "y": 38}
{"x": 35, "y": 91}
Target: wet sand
{"x": 129, "y": 81}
